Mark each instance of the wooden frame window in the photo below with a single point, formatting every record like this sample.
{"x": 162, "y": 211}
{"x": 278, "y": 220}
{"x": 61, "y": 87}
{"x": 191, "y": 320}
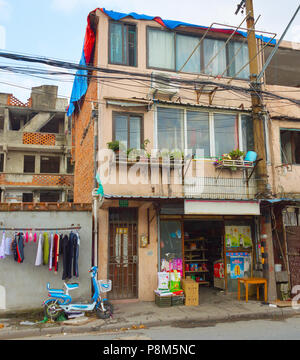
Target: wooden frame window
{"x": 290, "y": 146}
{"x": 122, "y": 43}
{"x": 128, "y": 129}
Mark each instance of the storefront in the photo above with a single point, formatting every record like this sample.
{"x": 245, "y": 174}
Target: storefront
{"x": 212, "y": 242}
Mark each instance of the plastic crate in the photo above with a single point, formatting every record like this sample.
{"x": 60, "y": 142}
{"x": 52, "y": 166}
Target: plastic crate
{"x": 163, "y": 301}
{"x": 177, "y": 300}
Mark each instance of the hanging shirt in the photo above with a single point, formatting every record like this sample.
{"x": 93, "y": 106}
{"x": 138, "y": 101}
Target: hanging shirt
{"x": 39, "y": 254}
{"x": 7, "y": 250}
{"x": 2, "y": 247}
{"x": 46, "y": 249}
{"x": 51, "y": 252}
{"x": 18, "y": 247}
{"x": 76, "y": 242}
{"x": 55, "y": 252}
{"x": 67, "y": 250}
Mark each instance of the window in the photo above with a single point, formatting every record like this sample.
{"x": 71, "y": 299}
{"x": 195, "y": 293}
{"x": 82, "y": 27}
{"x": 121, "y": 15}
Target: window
{"x": 49, "y": 196}
{"x": 226, "y": 133}
{"x": 50, "y": 165}
{"x": 214, "y": 133}
{"x": 1, "y": 122}
{"x": 128, "y": 130}
{"x": 168, "y": 50}
{"x": 290, "y": 146}
{"x": 29, "y": 164}
{"x": 122, "y": 39}
{"x": 27, "y": 197}
{"x": 198, "y": 132}
{"x": 170, "y": 128}
{"x": 1, "y": 162}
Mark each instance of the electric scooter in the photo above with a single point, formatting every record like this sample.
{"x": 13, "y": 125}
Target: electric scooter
{"x": 59, "y": 301}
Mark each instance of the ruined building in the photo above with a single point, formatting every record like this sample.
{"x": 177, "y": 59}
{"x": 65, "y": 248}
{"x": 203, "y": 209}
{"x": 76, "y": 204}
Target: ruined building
{"x": 35, "y": 148}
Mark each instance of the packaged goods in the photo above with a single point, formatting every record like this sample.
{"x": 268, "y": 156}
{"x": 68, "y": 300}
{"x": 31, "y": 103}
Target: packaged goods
{"x": 163, "y": 280}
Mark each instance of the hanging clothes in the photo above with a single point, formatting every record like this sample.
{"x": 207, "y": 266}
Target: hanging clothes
{"x": 51, "y": 252}
{"x": 8, "y": 243}
{"x": 39, "y": 254}
{"x": 75, "y": 239}
{"x": 55, "y": 252}
{"x": 2, "y": 247}
{"x": 67, "y": 251}
{"x": 18, "y": 247}
{"x": 46, "y": 249}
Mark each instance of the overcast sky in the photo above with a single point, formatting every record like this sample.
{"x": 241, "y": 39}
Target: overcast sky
{"x": 55, "y": 28}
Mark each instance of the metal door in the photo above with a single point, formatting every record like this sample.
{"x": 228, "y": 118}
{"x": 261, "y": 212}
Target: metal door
{"x": 293, "y": 247}
{"x": 123, "y": 253}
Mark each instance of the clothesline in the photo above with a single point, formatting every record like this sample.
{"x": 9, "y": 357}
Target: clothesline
{"x": 40, "y": 229}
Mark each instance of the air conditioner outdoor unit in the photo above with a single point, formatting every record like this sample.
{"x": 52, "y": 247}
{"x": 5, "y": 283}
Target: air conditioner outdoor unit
{"x": 164, "y": 84}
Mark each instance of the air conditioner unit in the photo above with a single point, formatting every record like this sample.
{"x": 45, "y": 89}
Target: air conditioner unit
{"x": 164, "y": 84}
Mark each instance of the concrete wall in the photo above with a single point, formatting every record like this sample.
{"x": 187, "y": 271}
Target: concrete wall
{"x": 23, "y": 286}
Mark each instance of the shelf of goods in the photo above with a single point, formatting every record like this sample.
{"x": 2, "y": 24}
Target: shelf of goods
{"x": 195, "y": 261}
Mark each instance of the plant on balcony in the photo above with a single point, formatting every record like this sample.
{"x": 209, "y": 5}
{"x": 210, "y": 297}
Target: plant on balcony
{"x": 114, "y": 145}
{"x": 235, "y": 154}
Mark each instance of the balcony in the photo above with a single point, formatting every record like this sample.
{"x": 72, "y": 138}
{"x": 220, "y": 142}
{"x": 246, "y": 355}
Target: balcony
{"x": 16, "y": 140}
{"x": 37, "y": 180}
{"x": 192, "y": 179}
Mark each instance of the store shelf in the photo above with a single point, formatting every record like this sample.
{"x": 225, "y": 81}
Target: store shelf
{"x": 201, "y": 271}
{"x": 195, "y": 260}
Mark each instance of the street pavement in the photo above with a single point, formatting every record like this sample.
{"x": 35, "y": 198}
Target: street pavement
{"x": 220, "y": 309}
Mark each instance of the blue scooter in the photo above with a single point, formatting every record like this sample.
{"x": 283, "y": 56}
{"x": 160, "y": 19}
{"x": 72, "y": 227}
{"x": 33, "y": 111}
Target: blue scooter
{"x": 59, "y": 301}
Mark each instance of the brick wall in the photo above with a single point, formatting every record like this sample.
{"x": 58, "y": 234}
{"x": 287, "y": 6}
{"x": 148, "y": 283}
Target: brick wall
{"x": 83, "y": 141}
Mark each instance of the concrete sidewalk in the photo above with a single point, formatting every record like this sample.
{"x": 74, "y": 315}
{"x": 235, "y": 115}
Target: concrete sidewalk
{"x": 135, "y": 315}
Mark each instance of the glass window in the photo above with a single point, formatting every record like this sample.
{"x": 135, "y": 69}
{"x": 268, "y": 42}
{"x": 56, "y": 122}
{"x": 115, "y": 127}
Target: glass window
{"x": 198, "y": 132}
{"x": 226, "y": 133}
{"x": 122, "y": 44}
{"x": 128, "y": 130}
{"x": 238, "y": 57}
{"x": 247, "y": 133}
{"x": 170, "y": 129}
{"x": 170, "y": 241}
{"x": 214, "y": 57}
{"x": 29, "y": 164}
{"x": 185, "y": 45}
{"x": 161, "y": 53}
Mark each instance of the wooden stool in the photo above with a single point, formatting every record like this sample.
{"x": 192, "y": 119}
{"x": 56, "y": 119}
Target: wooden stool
{"x": 255, "y": 281}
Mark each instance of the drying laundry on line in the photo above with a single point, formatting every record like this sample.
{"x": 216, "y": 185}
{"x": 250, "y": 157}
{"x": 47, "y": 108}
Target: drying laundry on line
{"x": 49, "y": 246}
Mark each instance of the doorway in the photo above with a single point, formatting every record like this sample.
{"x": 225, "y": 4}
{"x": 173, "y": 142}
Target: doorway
{"x": 123, "y": 253}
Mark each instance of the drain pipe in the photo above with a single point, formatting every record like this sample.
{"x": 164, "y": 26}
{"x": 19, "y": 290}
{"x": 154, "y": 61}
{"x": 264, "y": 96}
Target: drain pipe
{"x": 97, "y": 203}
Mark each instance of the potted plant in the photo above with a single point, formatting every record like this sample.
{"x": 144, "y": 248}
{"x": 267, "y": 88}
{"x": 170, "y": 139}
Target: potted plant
{"x": 237, "y": 154}
{"x": 114, "y": 146}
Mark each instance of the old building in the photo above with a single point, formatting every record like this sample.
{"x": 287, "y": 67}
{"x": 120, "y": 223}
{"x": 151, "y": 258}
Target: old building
{"x": 35, "y": 148}
{"x": 169, "y": 99}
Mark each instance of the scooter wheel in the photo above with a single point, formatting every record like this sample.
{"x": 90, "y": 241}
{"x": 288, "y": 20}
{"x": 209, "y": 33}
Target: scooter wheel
{"x": 52, "y": 310}
{"x": 108, "y": 310}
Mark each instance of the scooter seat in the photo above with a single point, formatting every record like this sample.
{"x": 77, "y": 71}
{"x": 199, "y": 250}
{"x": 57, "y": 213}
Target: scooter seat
{"x": 72, "y": 286}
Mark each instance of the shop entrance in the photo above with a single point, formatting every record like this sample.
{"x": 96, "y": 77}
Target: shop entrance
{"x": 203, "y": 251}
{"x": 214, "y": 251}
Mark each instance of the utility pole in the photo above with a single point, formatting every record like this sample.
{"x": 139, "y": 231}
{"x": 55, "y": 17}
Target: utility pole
{"x": 257, "y": 103}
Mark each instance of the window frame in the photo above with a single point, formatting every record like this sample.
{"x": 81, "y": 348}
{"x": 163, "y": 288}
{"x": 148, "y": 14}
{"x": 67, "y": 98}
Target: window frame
{"x": 127, "y": 23}
{"x": 202, "y": 55}
{"x": 34, "y": 164}
{"x": 128, "y": 114}
{"x": 211, "y": 113}
{"x": 293, "y": 155}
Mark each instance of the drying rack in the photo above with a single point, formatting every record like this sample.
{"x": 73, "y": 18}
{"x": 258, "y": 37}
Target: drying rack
{"x": 40, "y": 229}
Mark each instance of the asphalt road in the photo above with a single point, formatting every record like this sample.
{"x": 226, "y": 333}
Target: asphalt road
{"x": 288, "y": 329}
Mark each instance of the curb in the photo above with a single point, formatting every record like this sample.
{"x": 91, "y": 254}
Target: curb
{"x": 276, "y": 314}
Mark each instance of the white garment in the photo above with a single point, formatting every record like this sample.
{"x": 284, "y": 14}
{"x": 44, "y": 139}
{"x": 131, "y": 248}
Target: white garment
{"x": 51, "y": 252}
{"x": 2, "y": 247}
{"x": 39, "y": 254}
{"x": 7, "y": 249}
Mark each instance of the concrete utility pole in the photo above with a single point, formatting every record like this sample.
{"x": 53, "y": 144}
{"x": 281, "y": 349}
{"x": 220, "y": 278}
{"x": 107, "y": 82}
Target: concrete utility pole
{"x": 257, "y": 103}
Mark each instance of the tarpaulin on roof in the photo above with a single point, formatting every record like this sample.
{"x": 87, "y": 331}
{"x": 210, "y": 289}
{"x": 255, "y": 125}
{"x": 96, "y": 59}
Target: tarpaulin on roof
{"x": 80, "y": 84}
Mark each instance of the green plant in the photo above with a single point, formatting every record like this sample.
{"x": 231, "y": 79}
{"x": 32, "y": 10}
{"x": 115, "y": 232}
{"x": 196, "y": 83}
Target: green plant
{"x": 236, "y": 154}
{"x": 114, "y": 145}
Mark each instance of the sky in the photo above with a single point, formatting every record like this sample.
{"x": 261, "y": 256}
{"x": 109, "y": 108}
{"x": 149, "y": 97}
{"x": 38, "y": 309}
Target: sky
{"x": 56, "y": 28}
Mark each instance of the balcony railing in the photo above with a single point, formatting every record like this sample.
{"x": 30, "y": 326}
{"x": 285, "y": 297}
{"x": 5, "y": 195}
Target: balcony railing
{"x": 37, "y": 180}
